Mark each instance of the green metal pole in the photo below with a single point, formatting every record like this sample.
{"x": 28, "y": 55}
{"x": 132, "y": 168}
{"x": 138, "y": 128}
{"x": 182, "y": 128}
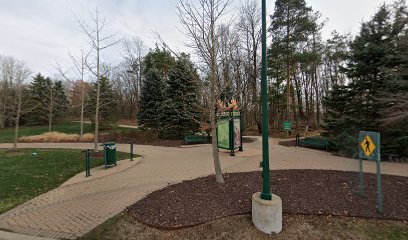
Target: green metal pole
{"x": 131, "y": 151}
{"x": 266, "y": 189}
{"x": 361, "y": 177}
{"x": 232, "y": 134}
{"x": 379, "y": 189}
{"x": 87, "y": 164}
{"x": 241, "y": 149}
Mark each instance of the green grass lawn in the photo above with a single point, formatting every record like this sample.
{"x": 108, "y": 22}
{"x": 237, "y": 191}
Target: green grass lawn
{"x": 7, "y": 134}
{"x": 24, "y": 176}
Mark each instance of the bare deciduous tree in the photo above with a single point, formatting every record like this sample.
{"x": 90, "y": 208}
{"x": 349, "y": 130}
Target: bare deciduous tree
{"x": 21, "y": 73}
{"x": 200, "y": 22}
{"x": 8, "y": 74}
{"x": 131, "y": 72}
{"x": 3, "y": 93}
{"x": 250, "y": 30}
{"x": 79, "y": 70}
{"x": 99, "y": 42}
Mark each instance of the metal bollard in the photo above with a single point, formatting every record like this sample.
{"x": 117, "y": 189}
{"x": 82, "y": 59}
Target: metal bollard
{"x": 131, "y": 151}
{"x": 296, "y": 142}
{"x": 88, "y": 163}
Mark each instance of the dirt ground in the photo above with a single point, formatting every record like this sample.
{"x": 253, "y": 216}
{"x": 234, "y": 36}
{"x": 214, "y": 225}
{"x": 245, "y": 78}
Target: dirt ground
{"x": 240, "y": 227}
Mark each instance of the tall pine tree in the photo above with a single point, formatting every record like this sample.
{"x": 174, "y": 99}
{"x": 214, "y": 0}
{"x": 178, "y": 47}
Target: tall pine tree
{"x": 61, "y": 100}
{"x": 39, "y": 91}
{"x": 48, "y": 98}
{"x": 180, "y": 113}
{"x": 367, "y": 57}
{"x": 151, "y": 100}
{"x": 292, "y": 23}
{"x": 160, "y": 60}
{"x": 108, "y": 104}
{"x": 373, "y": 67}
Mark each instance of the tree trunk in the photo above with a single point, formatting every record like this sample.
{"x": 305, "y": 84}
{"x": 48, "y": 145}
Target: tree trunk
{"x": 288, "y": 114}
{"x": 300, "y": 115}
{"x": 81, "y": 134}
{"x": 3, "y": 108}
{"x": 316, "y": 84}
{"x": 217, "y": 166}
{"x": 97, "y": 110}
{"x": 50, "y": 111}
{"x": 81, "y": 130}
{"x": 98, "y": 90}
{"x": 17, "y": 121}
{"x": 3, "y": 116}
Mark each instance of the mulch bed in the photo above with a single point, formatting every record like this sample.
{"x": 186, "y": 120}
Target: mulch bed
{"x": 317, "y": 192}
{"x": 288, "y": 143}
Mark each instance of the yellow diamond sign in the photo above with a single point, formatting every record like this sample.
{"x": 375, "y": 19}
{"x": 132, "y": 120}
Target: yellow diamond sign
{"x": 368, "y": 146}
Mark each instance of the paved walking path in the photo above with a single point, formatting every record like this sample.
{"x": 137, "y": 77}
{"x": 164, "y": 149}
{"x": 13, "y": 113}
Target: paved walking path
{"x": 73, "y": 210}
{"x": 120, "y": 125}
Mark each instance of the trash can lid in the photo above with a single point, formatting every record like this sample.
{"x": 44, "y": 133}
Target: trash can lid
{"x": 109, "y": 143}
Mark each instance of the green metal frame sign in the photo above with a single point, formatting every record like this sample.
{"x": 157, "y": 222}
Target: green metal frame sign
{"x": 229, "y": 132}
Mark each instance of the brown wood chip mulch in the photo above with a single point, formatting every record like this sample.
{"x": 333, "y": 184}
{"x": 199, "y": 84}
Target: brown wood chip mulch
{"x": 317, "y": 192}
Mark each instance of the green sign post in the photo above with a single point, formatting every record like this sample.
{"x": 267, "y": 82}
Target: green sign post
{"x": 266, "y": 186}
{"x": 370, "y": 149}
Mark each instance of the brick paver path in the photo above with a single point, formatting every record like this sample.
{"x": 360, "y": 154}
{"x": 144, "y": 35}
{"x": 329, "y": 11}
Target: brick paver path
{"x": 73, "y": 210}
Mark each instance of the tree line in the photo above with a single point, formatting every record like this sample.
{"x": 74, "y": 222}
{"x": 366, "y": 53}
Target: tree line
{"x": 375, "y": 95}
{"x": 341, "y": 84}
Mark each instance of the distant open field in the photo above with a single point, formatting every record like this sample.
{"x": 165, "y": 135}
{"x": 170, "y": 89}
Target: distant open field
{"x": 7, "y": 134}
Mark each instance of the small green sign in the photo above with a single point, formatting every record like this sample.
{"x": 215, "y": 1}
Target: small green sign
{"x": 287, "y": 126}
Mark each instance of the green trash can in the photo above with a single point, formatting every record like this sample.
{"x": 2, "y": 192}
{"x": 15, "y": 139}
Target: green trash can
{"x": 109, "y": 154}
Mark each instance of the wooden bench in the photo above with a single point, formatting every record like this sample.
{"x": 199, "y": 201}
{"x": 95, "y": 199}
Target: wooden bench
{"x": 315, "y": 142}
{"x": 193, "y": 139}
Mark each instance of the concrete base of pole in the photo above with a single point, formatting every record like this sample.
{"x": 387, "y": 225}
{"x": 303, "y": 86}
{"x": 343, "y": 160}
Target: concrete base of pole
{"x": 267, "y": 215}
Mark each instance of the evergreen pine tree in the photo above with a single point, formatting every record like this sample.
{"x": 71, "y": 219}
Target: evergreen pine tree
{"x": 151, "y": 99}
{"x": 374, "y": 63}
{"x": 108, "y": 104}
{"x": 39, "y": 91}
{"x": 395, "y": 97}
{"x": 180, "y": 112}
{"x": 367, "y": 57}
{"x": 338, "y": 118}
{"x": 160, "y": 60}
{"x": 292, "y": 23}
{"x": 60, "y": 100}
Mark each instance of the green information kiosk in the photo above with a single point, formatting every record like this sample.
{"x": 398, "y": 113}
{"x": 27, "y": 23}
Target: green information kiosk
{"x": 229, "y": 127}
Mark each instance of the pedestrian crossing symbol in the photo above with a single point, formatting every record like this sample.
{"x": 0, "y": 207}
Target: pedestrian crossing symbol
{"x": 368, "y": 146}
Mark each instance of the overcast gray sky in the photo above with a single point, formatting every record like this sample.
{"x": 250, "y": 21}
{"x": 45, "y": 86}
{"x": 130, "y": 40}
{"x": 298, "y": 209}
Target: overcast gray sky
{"x": 41, "y": 32}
